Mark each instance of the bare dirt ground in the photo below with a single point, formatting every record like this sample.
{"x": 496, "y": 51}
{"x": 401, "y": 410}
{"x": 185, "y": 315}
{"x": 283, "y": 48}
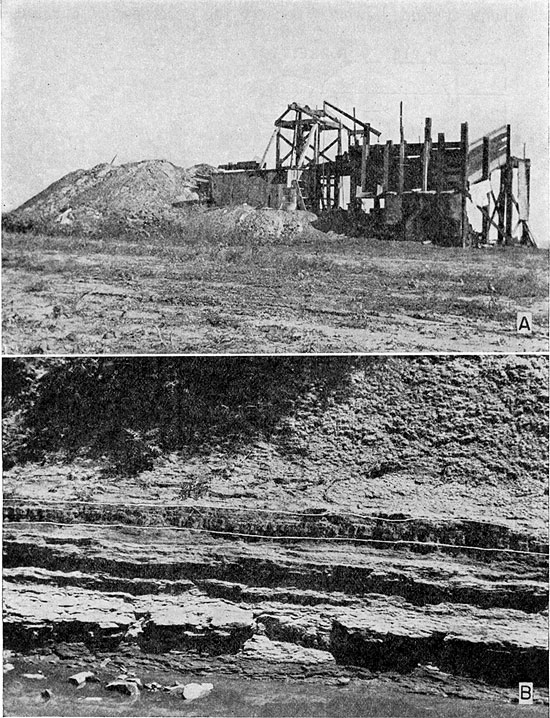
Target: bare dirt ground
{"x": 68, "y": 295}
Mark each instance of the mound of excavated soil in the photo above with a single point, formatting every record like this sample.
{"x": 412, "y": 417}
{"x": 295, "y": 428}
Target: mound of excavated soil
{"x": 151, "y": 193}
{"x": 135, "y": 191}
{"x": 261, "y": 226}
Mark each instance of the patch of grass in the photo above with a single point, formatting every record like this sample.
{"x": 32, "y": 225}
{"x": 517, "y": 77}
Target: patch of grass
{"x": 38, "y": 285}
{"x": 216, "y": 319}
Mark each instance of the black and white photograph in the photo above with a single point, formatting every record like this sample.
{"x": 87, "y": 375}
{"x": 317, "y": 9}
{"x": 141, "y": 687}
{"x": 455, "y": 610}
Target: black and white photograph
{"x": 275, "y": 358}
{"x": 275, "y": 536}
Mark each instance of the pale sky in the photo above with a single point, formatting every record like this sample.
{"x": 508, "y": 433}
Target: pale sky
{"x": 203, "y": 81}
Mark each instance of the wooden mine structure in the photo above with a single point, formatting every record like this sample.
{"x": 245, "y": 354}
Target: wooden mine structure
{"x": 329, "y": 159}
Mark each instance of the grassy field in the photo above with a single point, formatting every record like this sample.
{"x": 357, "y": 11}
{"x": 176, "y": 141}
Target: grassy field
{"x": 168, "y": 294}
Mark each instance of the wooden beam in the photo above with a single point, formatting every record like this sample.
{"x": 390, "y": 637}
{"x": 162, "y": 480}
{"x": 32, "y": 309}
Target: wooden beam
{"x": 285, "y": 113}
{"x": 485, "y": 176}
{"x": 338, "y": 121}
{"x": 508, "y": 183}
{"x": 295, "y": 140}
{"x": 440, "y": 173}
{"x": 501, "y": 202}
{"x": 352, "y": 118}
{"x": 386, "y": 176}
{"x": 285, "y": 139}
{"x": 331, "y": 144}
{"x": 464, "y": 182}
{"x": 365, "y": 158}
{"x": 426, "y": 152}
{"x": 262, "y": 161}
{"x": 284, "y": 159}
{"x": 401, "y": 169}
{"x": 278, "y": 150}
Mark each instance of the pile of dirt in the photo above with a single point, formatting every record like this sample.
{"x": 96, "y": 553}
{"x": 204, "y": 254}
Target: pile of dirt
{"x": 137, "y": 192}
{"x": 152, "y": 194}
{"x": 243, "y": 223}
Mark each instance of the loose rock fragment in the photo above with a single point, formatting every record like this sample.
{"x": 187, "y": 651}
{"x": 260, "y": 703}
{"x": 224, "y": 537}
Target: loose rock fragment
{"x": 79, "y": 679}
{"x": 130, "y": 678}
{"x": 192, "y": 691}
{"x": 152, "y": 686}
{"x": 129, "y": 688}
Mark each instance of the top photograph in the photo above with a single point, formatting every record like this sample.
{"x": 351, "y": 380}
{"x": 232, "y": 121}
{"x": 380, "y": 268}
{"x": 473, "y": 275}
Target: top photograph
{"x": 278, "y": 177}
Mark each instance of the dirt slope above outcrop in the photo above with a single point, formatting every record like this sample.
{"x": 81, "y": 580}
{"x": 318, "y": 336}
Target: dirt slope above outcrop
{"x": 451, "y": 438}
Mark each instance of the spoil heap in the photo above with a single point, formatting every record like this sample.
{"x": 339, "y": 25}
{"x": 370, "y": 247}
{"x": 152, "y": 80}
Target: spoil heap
{"x": 137, "y": 192}
{"x": 147, "y": 196}
{"x": 265, "y": 225}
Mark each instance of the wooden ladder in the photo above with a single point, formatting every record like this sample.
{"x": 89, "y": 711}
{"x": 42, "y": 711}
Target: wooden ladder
{"x": 302, "y": 197}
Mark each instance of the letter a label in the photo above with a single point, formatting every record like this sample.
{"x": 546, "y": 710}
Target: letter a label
{"x": 524, "y": 323}
{"x": 525, "y": 695}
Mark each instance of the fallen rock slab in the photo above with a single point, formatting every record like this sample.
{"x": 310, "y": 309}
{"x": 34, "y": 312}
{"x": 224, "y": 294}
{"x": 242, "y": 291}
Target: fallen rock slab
{"x": 79, "y": 679}
{"x": 264, "y": 649}
{"x": 192, "y": 691}
{"x": 129, "y": 688}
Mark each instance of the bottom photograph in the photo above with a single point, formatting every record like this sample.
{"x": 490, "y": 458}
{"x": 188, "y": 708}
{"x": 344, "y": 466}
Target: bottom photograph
{"x": 275, "y": 536}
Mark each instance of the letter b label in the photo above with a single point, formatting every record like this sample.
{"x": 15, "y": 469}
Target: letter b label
{"x": 525, "y": 693}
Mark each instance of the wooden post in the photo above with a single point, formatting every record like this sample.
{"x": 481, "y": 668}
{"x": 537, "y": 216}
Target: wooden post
{"x": 464, "y": 181}
{"x": 528, "y": 179}
{"x": 278, "y": 149}
{"x": 365, "y": 157}
{"x": 426, "y": 152}
{"x": 318, "y": 174}
{"x": 485, "y": 176}
{"x": 501, "y": 204}
{"x": 401, "y": 173}
{"x": 295, "y": 153}
{"x": 440, "y": 174}
{"x": 508, "y": 185}
{"x": 353, "y": 189}
{"x": 387, "y": 155}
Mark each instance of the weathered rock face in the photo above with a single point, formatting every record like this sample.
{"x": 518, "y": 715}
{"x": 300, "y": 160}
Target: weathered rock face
{"x": 379, "y": 564}
{"x": 378, "y": 632}
{"x": 37, "y": 614}
{"x": 193, "y": 621}
{"x": 502, "y": 647}
{"x": 176, "y": 561}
